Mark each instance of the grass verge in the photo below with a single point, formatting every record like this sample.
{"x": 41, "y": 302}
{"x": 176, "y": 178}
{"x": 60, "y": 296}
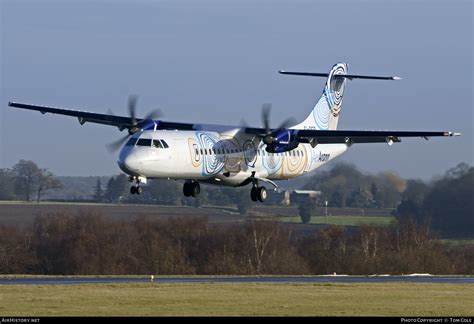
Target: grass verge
{"x": 154, "y": 299}
{"x": 345, "y": 220}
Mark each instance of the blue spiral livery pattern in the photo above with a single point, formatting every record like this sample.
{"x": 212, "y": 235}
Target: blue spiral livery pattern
{"x": 331, "y": 99}
{"x": 212, "y": 163}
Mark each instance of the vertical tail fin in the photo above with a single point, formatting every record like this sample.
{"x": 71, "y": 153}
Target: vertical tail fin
{"x": 325, "y": 114}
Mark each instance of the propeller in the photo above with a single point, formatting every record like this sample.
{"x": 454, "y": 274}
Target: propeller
{"x": 269, "y": 137}
{"x": 135, "y": 126}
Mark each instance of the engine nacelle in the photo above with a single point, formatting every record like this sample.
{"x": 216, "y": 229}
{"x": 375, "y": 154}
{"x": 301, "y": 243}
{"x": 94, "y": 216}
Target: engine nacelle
{"x": 283, "y": 140}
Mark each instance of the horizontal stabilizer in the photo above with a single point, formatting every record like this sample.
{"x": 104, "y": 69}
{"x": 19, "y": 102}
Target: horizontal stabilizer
{"x": 347, "y": 76}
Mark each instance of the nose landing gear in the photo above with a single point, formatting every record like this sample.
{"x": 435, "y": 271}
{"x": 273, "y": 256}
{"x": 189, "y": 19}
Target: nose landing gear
{"x": 136, "y": 189}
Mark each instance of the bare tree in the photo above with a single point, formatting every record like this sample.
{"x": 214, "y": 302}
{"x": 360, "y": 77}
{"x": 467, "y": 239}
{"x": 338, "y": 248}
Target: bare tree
{"x": 258, "y": 235}
{"x": 46, "y": 181}
{"x": 27, "y": 174}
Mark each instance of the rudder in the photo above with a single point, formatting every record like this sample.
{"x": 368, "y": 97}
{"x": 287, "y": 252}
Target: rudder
{"x": 325, "y": 114}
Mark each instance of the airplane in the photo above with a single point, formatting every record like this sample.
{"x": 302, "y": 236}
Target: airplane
{"x": 237, "y": 155}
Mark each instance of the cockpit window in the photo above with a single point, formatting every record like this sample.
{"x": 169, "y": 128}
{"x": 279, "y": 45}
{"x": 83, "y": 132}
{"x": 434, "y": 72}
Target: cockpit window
{"x": 165, "y": 145}
{"x": 132, "y": 141}
{"x": 144, "y": 142}
{"x": 157, "y": 144}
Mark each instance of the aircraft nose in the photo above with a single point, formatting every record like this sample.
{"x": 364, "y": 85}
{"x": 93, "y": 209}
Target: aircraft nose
{"x": 128, "y": 163}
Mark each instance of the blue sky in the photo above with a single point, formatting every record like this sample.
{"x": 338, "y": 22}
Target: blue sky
{"x": 217, "y": 62}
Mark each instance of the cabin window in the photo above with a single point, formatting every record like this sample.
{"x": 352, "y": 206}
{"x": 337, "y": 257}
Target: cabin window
{"x": 197, "y": 152}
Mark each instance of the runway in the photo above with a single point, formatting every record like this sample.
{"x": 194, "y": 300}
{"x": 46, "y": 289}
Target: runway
{"x": 237, "y": 279}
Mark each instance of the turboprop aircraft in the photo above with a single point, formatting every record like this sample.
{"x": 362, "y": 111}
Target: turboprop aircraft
{"x": 236, "y": 155}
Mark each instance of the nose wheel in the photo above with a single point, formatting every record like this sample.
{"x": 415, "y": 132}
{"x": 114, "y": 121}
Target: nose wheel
{"x": 136, "y": 190}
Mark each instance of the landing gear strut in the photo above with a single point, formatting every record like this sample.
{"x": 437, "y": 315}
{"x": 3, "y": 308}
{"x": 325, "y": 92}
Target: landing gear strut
{"x": 191, "y": 188}
{"x": 258, "y": 193}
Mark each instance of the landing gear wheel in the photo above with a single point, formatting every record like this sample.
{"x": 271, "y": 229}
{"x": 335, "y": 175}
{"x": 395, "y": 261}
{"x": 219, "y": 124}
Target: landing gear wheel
{"x": 254, "y": 194}
{"x": 187, "y": 190}
{"x": 195, "y": 188}
{"x": 262, "y": 194}
{"x": 139, "y": 190}
{"x": 191, "y": 188}
{"x": 133, "y": 190}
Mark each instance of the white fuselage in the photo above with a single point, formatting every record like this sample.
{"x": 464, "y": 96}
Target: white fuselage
{"x": 226, "y": 157}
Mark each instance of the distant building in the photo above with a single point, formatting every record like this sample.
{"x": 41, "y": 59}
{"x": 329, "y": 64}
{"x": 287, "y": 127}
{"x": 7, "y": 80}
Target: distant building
{"x": 297, "y": 195}
{"x": 286, "y": 197}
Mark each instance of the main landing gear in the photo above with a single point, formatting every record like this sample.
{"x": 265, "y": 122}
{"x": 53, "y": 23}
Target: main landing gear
{"x": 191, "y": 188}
{"x": 258, "y": 193}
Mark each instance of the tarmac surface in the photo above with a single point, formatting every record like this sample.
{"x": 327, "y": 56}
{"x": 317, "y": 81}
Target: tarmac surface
{"x": 244, "y": 279}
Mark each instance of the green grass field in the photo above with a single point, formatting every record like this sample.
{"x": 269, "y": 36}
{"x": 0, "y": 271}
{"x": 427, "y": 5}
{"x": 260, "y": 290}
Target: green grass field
{"x": 345, "y": 220}
{"x": 458, "y": 242}
{"x": 154, "y": 299}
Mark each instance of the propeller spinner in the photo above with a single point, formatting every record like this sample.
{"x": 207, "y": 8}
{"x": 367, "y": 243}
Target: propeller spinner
{"x": 270, "y": 135}
{"x": 135, "y": 126}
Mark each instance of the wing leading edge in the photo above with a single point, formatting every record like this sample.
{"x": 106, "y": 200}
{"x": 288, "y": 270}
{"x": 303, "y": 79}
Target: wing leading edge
{"x": 121, "y": 122}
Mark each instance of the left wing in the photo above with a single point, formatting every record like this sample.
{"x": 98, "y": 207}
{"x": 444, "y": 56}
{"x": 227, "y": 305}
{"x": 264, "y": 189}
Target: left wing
{"x": 121, "y": 122}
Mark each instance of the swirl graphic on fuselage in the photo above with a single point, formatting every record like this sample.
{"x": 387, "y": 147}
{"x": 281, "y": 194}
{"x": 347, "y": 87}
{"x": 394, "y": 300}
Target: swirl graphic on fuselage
{"x": 212, "y": 163}
{"x": 233, "y": 158}
{"x": 272, "y": 162}
{"x": 295, "y": 165}
{"x": 194, "y": 155}
{"x": 250, "y": 153}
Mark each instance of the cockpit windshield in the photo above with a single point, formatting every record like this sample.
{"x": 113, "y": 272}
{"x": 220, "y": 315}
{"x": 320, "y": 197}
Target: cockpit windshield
{"x": 132, "y": 141}
{"x": 157, "y": 143}
{"x": 144, "y": 142}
